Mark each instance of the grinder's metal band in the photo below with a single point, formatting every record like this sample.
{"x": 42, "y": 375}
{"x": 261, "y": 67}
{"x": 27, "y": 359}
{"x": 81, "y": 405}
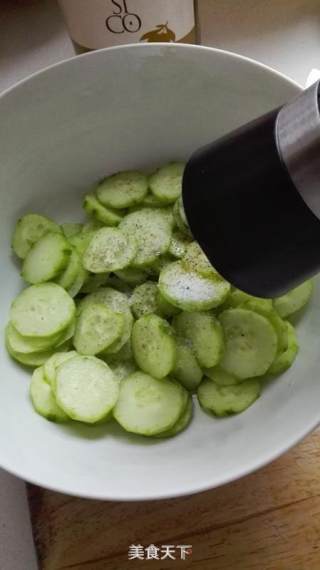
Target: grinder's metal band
{"x": 298, "y": 140}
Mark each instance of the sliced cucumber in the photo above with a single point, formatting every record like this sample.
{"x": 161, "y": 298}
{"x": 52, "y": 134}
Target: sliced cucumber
{"x": 150, "y": 201}
{"x": 71, "y": 229}
{"x": 182, "y": 422}
{"x": 107, "y": 216}
{"x": 237, "y": 298}
{"x": 94, "y": 281}
{"x": 86, "y": 388}
{"x": 152, "y": 231}
{"x": 51, "y": 365}
{"x": 29, "y": 229}
{"x": 155, "y": 268}
{"x": 43, "y": 399}
{"x": 204, "y": 333}
{"x": 144, "y": 300}
{"x": 166, "y": 309}
{"x": 123, "y": 190}
{"x": 109, "y": 250}
{"x": 190, "y": 291}
{"x": 32, "y": 359}
{"x": 132, "y": 276}
{"x": 153, "y": 346}
{"x": 71, "y": 272}
{"x": 92, "y": 226}
{"x": 117, "y": 302}
{"x": 225, "y": 400}
{"x": 27, "y": 345}
{"x": 285, "y": 359}
{"x": 294, "y": 300}
{"x": 166, "y": 183}
{"x": 78, "y": 283}
{"x": 46, "y": 259}
{"x": 196, "y": 260}
{"x": 186, "y": 369}
{"x": 221, "y": 377}
{"x": 148, "y": 406}
{"x": 42, "y": 311}
{"x": 122, "y": 370}
{"x": 178, "y": 245}
{"x": 259, "y": 306}
{"x": 251, "y": 343}
{"x": 81, "y": 241}
{"x": 97, "y": 328}
{"x": 180, "y": 218}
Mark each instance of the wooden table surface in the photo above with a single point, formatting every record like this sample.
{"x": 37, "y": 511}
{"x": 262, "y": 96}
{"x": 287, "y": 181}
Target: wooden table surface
{"x": 267, "y": 521}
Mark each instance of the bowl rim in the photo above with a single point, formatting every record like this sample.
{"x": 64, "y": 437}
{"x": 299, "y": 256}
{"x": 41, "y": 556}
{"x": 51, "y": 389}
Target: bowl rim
{"x": 254, "y": 466}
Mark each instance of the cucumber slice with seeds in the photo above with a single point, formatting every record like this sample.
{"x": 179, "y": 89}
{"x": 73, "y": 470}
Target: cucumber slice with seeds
{"x": 33, "y": 359}
{"x": 86, "y": 389}
{"x": 123, "y": 190}
{"x": 166, "y": 183}
{"x": 96, "y": 329}
{"x": 226, "y": 400}
{"x": 294, "y": 300}
{"x": 204, "y": 333}
{"x": 285, "y": 359}
{"x": 186, "y": 369}
{"x": 42, "y": 311}
{"x": 190, "y": 291}
{"x": 144, "y": 300}
{"x": 182, "y": 423}
{"x": 25, "y": 345}
{"x": 109, "y": 250}
{"x": 152, "y": 232}
{"x": 29, "y": 229}
{"x": 107, "y": 216}
{"x": 51, "y": 365}
{"x": 153, "y": 346}
{"x": 148, "y": 406}
{"x": 251, "y": 343}
{"x": 43, "y": 399}
{"x": 46, "y": 259}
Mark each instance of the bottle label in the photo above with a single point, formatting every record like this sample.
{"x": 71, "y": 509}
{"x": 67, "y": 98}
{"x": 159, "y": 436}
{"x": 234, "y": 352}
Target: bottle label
{"x": 96, "y": 24}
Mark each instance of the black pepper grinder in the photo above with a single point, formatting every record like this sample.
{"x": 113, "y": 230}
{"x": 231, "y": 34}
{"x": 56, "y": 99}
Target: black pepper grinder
{"x": 252, "y": 199}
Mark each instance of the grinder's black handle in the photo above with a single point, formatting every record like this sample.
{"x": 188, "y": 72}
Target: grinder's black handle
{"x": 252, "y": 199}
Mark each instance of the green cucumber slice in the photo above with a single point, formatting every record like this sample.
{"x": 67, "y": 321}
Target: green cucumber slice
{"x": 285, "y": 359}
{"x": 29, "y": 229}
{"x": 153, "y": 346}
{"x": 150, "y": 201}
{"x": 191, "y": 291}
{"x": 144, "y": 300}
{"x": 148, "y": 406}
{"x": 152, "y": 231}
{"x": 109, "y": 250}
{"x": 178, "y": 245}
{"x": 237, "y": 298}
{"x": 196, "y": 260}
{"x": 204, "y": 333}
{"x": 186, "y": 369}
{"x": 166, "y": 183}
{"x": 180, "y": 218}
{"x": 288, "y": 304}
{"x": 27, "y": 345}
{"x": 225, "y": 400}
{"x": 251, "y": 343}
{"x": 42, "y": 311}
{"x": 132, "y": 276}
{"x": 122, "y": 370}
{"x": 46, "y": 259}
{"x": 51, "y": 365}
{"x": 86, "y": 389}
{"x": 71, "y": 272}
{"x": 101, "y": 213}
{"x": 43, "y": 399}
{"x": 182, "y": 423}
{"x": 96, "y": 329}
{"x": 94, "y": 281}
{"x": 123, "y": 190}
{"x": 221, "y": 377}
{"x": 70, "y": 229}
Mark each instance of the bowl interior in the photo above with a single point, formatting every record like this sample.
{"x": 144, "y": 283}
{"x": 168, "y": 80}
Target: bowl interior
{"x": 62, "y": 130}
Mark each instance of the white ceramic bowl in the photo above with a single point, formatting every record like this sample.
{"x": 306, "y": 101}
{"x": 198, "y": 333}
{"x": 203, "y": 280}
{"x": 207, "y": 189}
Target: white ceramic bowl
{"x": 63, "y": 129}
